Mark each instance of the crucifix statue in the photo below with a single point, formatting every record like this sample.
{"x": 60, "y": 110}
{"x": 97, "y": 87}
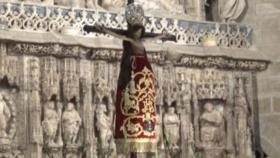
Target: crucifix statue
{"x": 135, "y": 128}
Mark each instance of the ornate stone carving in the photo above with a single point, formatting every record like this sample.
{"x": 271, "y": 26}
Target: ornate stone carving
{"x": 212, "y": 85}
{"x": 7, "y": 125}
{"x": 242, "y": 113}
{"x": 5, "y": 115}
{"x": 51, "y": 49}
{"x": 171, "y": 123}
{"x": 55, "y": 19}
{"x": 104, "y": 126}
{"x": 71, "y": 123}
{"x": 70, "y": 80}
{"x": 50, "y": 78}
{"x": 222, "y": 63}
{"x": 50, "y": 123}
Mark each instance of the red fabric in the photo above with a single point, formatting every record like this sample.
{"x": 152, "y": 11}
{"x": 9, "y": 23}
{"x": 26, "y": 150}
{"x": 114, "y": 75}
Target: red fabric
{"x": 144, "y": 81}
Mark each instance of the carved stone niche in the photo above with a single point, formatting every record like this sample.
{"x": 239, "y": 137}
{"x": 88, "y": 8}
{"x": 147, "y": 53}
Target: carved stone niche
{"x": 104, "y": 122}
{"x": 71, "y": 129}
{"x": 52, "y": 131}
{"x": 212, "y": 128}
{"x": 171, "y": 131}
{"x": 104, "y": 111}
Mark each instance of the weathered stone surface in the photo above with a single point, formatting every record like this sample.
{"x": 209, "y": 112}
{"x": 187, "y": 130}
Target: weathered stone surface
{"x": 265, "y": 105}
{"x": 276, "y": 104}
{"x": 264, "y": 16}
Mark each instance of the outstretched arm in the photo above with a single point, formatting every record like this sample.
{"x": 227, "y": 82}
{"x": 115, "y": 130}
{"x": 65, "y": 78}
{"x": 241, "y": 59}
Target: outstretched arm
{"x": 164, "y": 35}
{"x": 101, "y": 29}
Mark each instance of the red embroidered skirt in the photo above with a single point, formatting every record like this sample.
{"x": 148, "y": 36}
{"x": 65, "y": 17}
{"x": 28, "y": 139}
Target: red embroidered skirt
{"x": 135, "y": 129}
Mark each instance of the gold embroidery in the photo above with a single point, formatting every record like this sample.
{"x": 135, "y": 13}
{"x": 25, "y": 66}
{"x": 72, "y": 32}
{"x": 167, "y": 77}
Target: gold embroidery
{"x": 134, "y": 94}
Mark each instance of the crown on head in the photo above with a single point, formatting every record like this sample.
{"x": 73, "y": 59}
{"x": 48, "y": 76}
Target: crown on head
{"x": 134, "y": 14}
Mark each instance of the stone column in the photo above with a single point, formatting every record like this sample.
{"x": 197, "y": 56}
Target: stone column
{"x": 32, "y": 98}
{"x": 229, "y": 108}
{"x": 88, "y": 117}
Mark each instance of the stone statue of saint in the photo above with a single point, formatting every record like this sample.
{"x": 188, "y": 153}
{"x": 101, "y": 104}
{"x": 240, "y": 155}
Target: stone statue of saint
{"x": 50, "y": 123}
{"x": 172, "y": 128}
{"x": 210, "y": 122}
{"x": 242, "y": 113}
{"x": 211, "y": 132}
{"x": 71, "y": 122}
{"x": 231, "y": 10}
{"x": 5, "y": 115}
{"x": 104, "y": 125}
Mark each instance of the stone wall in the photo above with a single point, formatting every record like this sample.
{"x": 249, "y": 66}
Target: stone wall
{"x": 264, "y": 16}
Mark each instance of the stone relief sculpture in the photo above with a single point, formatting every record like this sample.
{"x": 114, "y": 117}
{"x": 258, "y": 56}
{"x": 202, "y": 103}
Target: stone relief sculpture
{"x": 172, "y": 128}
{"x": 50, "y": 123}
{"x": 8, "y": 126}
{"x": 5, "y": 115}
{"x": 187, "y": 131}
{"x": 104, "y": 126}
{"x": 211, "y": 135}
{"x": 232, "y": 9}
{"x": 243, "y": 133}
{"x": 227, "y": 10}
{"x": 71, "y": 122}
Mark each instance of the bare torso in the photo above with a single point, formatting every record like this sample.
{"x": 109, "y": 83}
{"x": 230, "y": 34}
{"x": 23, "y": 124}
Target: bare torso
{"x": 138, "y": 47}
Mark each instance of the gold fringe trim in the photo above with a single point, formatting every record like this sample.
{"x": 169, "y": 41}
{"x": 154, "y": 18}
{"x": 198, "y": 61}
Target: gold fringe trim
{"x": 125, "y": 146}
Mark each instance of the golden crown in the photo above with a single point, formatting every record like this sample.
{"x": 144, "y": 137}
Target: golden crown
{"x": 134, "y": 14}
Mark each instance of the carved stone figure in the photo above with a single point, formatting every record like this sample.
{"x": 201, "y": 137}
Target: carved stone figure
{"x": 104, "y": 125}
{"x": 171, "y": 128}
{"x": 71, "y": 122}
{"x": 232, "y": 9}
{"x": 50, "y": 123}
{"x": 5, "y": 115}
{"x": 210, "y": 121}
{"x": 243, "y": 133}
{"x": 187, "y": 132}
{"x": 211, "y": 135}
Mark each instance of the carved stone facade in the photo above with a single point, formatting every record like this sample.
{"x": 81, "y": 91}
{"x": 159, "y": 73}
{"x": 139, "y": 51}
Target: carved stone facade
{"x": 57, "y": 93}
